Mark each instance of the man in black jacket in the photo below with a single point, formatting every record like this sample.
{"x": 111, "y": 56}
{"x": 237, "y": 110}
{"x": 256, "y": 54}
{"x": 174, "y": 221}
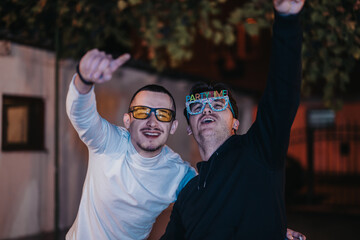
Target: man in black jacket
{"x": 239, "y": 192}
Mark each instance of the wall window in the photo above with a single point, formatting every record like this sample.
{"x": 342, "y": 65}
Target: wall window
{"x": 22, "y": 123}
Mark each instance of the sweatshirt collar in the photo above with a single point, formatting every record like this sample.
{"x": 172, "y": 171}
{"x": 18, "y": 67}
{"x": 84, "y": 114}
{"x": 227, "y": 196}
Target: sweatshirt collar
{"x": 141, "y": 161}
{"x": 205, "y": 167}
{"x": 226, "y": 145}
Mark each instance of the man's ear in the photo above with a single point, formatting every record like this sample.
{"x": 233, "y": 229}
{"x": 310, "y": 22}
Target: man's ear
{"x": 189, "y": 131}
{"x": 126, "y": 120}
{"x": 174, "y": 126}
{"x": 236, "y": 124}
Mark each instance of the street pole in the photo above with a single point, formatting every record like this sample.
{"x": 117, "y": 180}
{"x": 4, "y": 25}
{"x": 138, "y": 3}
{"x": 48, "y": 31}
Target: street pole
{"x": 56, "y": 140}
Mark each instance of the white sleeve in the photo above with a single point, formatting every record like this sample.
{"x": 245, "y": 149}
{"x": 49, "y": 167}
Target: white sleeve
{"x": 190, "y": 174}
{"x": 97, "y": 133}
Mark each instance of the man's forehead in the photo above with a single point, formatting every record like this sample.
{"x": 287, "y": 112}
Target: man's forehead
{"x": 152, "y": 99}
{"x": 208, "y": 94}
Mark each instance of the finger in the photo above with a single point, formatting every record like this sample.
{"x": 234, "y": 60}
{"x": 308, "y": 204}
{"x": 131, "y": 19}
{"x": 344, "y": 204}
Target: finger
{"x": 301, "y": 237}
{"x": 298, "y": 235}
{"x": 289, "y": 6}
{"x": 115, "y": 64}
{"x": 89, "y": 54}
{"x": 107, "y": 77}
{"x": 88, "y": 63}
{"x": 85, "y": 61}
{"x": 107, "y": 74}
{"x": 95, "y": 62}
{"x": 289, "y": 234}
{"x": 103, "y": 64}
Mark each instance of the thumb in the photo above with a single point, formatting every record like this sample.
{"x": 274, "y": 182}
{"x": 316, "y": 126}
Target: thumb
{"x": 115, "y": 64}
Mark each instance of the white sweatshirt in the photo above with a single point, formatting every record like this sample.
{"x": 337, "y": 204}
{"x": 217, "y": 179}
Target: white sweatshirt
{"x": 123, "y": 192}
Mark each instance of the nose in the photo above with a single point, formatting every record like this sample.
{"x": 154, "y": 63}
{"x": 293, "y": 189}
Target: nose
{"x": 207, "y": 109}
{"x": 152, "y": 121}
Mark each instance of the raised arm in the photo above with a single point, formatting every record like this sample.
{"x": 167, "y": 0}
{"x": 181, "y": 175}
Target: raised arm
{"x": 278, "y": 106}
{"x": 95, "y": 67}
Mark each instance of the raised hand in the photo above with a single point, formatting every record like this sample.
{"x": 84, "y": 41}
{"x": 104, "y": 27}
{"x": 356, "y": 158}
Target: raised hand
{"x": 97, "y": 67}
{"x": 288, "y": 6}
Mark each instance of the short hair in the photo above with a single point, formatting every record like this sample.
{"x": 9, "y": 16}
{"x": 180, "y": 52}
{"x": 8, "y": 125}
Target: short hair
{"x": 155, "y": 88}
{"x": 200, "y": 87}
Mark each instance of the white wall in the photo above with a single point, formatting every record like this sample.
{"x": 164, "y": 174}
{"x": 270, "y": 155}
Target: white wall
{"x": 27, "y": 178}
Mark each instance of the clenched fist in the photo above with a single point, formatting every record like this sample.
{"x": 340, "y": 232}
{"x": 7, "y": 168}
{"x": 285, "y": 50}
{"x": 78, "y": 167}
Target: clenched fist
{"x": 288, "y": 6}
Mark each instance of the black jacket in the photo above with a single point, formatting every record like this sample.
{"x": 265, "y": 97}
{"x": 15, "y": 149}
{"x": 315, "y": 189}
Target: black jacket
{"x": 239, "y": 192}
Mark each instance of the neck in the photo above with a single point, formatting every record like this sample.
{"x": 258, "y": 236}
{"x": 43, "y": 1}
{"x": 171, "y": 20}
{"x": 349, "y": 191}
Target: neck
{"x": 146, "y": 152}
{"x": 208, "y": 146}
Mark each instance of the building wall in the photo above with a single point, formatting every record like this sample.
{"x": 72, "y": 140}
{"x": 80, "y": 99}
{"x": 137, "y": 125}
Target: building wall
{"x": 327, "y": 151}
{"x": 27, "y": 178}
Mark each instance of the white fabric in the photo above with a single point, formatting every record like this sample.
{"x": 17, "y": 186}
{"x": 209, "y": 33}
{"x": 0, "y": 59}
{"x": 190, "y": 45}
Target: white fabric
{"x": 123, "y": 192}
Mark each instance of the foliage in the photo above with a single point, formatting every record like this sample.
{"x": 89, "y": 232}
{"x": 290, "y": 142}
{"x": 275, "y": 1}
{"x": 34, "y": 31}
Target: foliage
{"x": 161, "y": 31}
{"x": 164, "y": 31}
{"x": 331, "y": 46}
{"x": 331, "y": 42}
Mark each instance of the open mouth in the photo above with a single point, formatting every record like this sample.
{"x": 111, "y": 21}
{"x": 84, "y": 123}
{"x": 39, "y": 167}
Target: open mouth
{"x": 151, "y": 133}
{"x": 207, "y": 120}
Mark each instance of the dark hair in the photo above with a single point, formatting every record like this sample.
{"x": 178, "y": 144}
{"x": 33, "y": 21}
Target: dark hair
{"x": 155, "y": 88}
{"x": 200, "y": 87}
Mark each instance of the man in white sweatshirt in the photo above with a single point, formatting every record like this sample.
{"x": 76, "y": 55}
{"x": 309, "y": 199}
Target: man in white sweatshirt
{"x": 132, "y": 175}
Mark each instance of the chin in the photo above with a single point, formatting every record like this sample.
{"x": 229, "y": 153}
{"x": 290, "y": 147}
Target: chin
{"x": 207, "y": 133}
{"x": 151, "y": 148}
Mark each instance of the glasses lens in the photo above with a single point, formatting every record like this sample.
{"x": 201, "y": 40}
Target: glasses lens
{"x": 164, "y": 115}
{"x": 196, "y": 107}
{"x": 141, "y": 112}
{"x": 218, "y": 104}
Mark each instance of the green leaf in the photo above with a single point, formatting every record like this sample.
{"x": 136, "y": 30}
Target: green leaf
{"x": 356, "y": 52}
{"x": 332, "y": 22}
{"x": 217, "y": 24}
{"x": 316, "y": 17}
{"x": 229, "y": 36}
{"x": 252, "y": 29}
{"x": 218, "y": 37}
{"x": 337, "y": 50}
{"x": 208, "y": 33}
{"x": 135, "y": 2}
{"x": 236, "y": 16}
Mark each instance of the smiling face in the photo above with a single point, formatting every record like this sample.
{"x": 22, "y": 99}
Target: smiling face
{"x": 149, "y": 135}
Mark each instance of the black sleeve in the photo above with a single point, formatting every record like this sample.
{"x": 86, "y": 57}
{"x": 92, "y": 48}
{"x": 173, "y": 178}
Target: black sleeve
{"x": 278, "y": 105}
{"x": 174, "y": 229}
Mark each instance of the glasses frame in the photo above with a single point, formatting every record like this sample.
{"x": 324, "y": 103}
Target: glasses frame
{"x": 155, "y": 111}
{"x": 208, "y": 101}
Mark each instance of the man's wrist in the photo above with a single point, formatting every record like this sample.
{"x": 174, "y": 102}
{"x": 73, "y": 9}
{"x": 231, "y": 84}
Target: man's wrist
{"x": 287, "y": 21}
{"x": 82, "y": 78}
